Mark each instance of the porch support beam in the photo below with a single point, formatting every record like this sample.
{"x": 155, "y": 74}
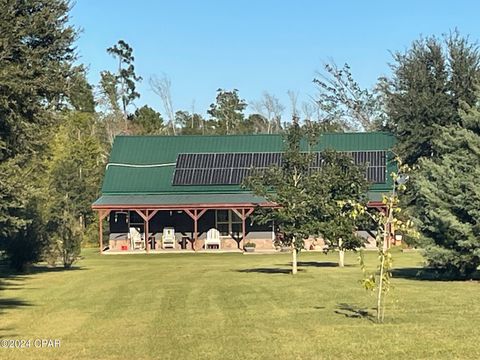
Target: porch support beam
{"x": 249, "y": 212}
{"x": 243, "y": 214}
{"x": 152, "y": 214}
{"x": 380, "y": 208}
{"x": 195, "y": 215}
{"x": 189, "y": 213}
{"x": 195, "y": 229}
{"x": 243, "y": 227}
{"x": 142, "y": 214}
{"x": 146, "y": 216}
{"x": 147, "y": 245}
{"x": 102, "y": 214}
{"x": 201, "y": 213}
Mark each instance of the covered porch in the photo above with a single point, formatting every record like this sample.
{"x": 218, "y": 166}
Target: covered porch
{"x": 180, "y": 223}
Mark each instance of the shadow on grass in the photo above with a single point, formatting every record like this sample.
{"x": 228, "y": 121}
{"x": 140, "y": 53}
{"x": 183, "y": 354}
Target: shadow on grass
{"x": 320, "y": 264}
{"x": 6, "y": 333}
{"x": 428, "y": 274}
{"x": 7, "y": 273}
{"x": 267, "y": 270}
{"x": 283, "y": 270}
{"x": 12, "y": 302}
{"x": 37, "y": 269}
{"x": 12, "y": 280}
{"x": 10, "y": 284}
{"x": 312, "y": 264}
{"x": 351, "y": 311}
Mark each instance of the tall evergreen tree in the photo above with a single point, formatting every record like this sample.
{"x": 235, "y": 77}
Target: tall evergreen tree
{"x": 448, "y": 198}
{"x": 429, "y": 82}
{"x": 147, "y": 121}
{"x": 125, "y": 77}
{"x": 80, "y": 92}
{"x": 36, "y": 56}
{"x": 432, "y": 82}
{"x": 36, "y": 53}
{"x": 227, "y": 111}
{"x": 75, "y": 167}
{"x": 257, "y": 124}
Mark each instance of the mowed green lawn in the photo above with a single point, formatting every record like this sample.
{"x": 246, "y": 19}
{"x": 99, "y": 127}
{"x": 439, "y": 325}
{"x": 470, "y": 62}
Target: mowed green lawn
{"x": 234, "y": 306}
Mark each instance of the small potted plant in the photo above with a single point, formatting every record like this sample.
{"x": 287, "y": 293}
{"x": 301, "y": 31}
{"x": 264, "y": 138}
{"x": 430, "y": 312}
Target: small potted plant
{"x": 249, "y": 247}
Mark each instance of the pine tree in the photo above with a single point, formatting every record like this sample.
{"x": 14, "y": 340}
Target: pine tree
{"x": 227, "y": 111}
{"x": 75, "y": 167}
{"x": 147, "y": 121}
{"x": 433, "y": 81}
{"x": 429, "y": 82}
{"x": 36, "y": 56}
{"x": 447, "y": 198}
{"x": 125, "y": 78}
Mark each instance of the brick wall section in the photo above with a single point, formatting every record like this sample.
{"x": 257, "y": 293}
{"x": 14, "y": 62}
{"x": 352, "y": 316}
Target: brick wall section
{"x": 262, "y": 240}
{"x": 117, "y": 244}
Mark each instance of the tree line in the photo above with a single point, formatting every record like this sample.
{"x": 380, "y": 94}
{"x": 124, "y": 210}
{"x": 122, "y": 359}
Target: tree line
{"x": 56, "y": 130}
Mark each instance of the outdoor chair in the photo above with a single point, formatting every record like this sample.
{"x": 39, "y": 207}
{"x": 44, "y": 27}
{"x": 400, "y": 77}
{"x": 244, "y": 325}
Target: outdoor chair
{"x": 213, "y": 239}
{"x": 137, "y": 241}
{"x": 168, "y": 238}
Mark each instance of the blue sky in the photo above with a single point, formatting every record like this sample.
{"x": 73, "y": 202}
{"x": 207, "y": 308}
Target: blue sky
{"x": 258, "y": 46}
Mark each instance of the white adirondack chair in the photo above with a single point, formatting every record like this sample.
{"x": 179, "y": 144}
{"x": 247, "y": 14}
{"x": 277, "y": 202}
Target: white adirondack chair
{"x": 136, "y": 239}
{"x": 168, "y": 238}
{"x": 213, "y": 238}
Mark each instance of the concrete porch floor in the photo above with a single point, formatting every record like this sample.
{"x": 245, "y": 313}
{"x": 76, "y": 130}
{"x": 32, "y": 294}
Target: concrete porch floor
{"x": 203, "y": 251}
{"x": 171, "y": 251}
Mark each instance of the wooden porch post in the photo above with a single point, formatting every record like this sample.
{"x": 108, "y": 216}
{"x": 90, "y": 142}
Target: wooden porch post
{"x": 102, "y": 214}
{"x": 147, "y": 245}
{"x": 243, "y": 228}
{"x": 149, "y": 217}
{"x": 243, "y": 215}
{"x": 146, "y": 218}
{"x": 100, "y": 231}
{"x": 195, "y": 216}
{"x": 195, "y": 229}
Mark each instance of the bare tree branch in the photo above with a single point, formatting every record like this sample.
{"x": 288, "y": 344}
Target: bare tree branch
{"x": 270, "y": 108}
{"x": 162, "y": 87}
{"x": 341, "y": 99}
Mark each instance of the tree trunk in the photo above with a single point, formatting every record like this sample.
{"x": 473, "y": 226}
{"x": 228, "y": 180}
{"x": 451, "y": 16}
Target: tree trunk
{"x": 380, "y": 309}
{"x": 294, "y": 258}
{"x": 341, "y": 258}
{"x": 380, "y": 299}
{"x": 341, "y": 254}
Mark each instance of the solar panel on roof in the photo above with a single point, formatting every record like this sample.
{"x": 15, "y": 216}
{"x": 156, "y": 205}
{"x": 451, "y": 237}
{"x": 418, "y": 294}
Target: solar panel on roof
{"x": 232, "y": 168}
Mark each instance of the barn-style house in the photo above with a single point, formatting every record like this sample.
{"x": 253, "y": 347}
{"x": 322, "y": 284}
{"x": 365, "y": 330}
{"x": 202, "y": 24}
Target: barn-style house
{"x": 164, "y": 193}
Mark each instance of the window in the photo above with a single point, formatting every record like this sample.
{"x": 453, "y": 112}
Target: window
{"x": 228, "y": 222}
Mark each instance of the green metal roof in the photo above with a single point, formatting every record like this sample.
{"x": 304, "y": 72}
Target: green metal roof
{"x": 181, "y": 199}
{"x": 162, "y": 152}
{"x": 173, "y": 200}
